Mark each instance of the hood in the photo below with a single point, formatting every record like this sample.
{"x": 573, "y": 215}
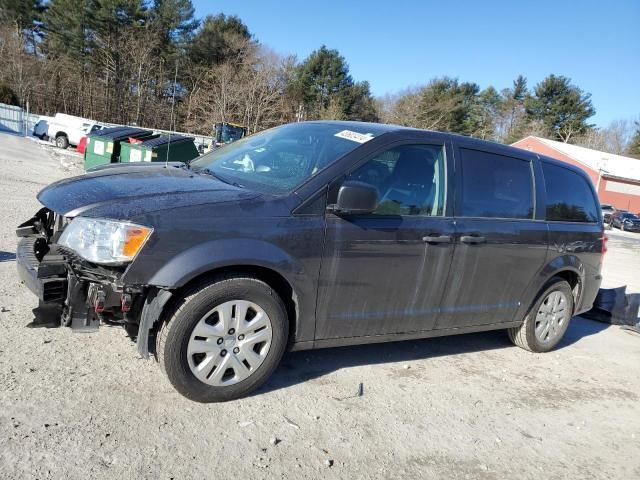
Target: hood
{"x": 124, "y": 191}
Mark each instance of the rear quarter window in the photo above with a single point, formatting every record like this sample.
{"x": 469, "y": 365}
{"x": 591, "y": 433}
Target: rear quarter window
{"x": 569, "y": 196}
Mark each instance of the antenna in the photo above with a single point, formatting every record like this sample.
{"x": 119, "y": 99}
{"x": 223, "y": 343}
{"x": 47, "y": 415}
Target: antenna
{"x": 173, "y": 104}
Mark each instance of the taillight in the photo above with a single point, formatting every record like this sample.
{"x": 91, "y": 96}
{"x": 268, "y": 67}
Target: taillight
{"x": 605, "y": 239}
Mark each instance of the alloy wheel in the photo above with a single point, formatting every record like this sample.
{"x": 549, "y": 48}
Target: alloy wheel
{"x": 551, "y": 317}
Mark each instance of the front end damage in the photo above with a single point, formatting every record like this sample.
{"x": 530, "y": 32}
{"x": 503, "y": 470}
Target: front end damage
{"x": 75, "y": 293}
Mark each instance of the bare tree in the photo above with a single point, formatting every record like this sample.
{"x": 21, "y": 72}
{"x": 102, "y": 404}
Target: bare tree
{"x": 402, "y": 108}
{"x": 19, "y": 69}
{"x": 249, "y": 91}
{"x": 614, "y": 138}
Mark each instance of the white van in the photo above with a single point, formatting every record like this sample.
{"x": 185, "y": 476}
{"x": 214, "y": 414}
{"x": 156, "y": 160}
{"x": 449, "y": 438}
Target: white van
{"x": 67, "y": 130}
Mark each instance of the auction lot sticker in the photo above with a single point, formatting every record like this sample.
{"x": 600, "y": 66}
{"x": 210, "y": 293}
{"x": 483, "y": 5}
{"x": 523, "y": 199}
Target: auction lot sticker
{"x": 354, "y": 136}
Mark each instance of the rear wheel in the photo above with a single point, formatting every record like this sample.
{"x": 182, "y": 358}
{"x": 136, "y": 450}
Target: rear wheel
{"x": 62, "y": 141}
{"x": 547, "y": 321}
{"x": 224, "y": 339}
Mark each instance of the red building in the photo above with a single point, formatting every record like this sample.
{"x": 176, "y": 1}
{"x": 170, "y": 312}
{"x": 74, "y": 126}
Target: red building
{"x": 616, "y": 178}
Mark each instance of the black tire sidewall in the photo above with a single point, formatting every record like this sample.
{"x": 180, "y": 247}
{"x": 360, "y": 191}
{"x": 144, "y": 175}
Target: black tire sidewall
{"x": 175, "y": 363}
{"x": 62, "y": 139}
{"x": 554, "y": 285}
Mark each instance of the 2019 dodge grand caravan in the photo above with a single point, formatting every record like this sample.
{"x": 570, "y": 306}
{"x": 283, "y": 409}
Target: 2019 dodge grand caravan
{"x": 310, "y": 235}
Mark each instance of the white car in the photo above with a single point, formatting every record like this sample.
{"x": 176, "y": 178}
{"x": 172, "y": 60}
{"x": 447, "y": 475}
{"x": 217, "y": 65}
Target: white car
{"x": 67, "y": 130}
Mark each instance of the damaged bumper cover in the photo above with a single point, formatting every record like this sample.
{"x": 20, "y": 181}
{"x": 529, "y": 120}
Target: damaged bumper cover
{"x": 47, "y": 281}
{"x": 76, "y": 293}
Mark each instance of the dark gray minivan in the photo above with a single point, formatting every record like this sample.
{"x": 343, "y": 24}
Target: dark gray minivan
{"x": 315, "y": 234}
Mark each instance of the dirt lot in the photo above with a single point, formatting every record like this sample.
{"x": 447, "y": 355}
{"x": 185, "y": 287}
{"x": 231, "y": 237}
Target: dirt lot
{"x": 471, "y": 406}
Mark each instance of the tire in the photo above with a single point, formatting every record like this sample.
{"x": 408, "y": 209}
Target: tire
{"x": 178, "y": 334}
{"x": 62, "y": 141}
{"x": 525, "y": 335}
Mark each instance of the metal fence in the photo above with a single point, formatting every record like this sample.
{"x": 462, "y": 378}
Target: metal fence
{"x": 17, "y": 121}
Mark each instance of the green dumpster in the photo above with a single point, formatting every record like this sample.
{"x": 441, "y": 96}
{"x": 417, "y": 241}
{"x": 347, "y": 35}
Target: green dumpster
{"x": 171, "y": 148}
{"x": 131, "y": 151}
{"x": 104, "y": 146}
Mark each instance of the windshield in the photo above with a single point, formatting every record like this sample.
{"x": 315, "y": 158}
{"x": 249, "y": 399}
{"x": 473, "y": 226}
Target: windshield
{"x": 629, "y": 216}
{"x": 276, "y": 161}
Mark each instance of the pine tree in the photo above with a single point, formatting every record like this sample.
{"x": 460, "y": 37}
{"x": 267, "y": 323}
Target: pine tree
{"x": 27, "y": 14}
{"x": 513, "y": 121}
{"x": 448, "y": 105}
{"x": 67, "y": 27}
{"x": 519, "y": 91}
{"x": 360, "y": 104}
{"x": 562, "y": 108}
{"x": 174, "y": 23}
{"x": 323, "y": 78}
{"x": 485, "y": 114}
{"x": 219, "y": 38}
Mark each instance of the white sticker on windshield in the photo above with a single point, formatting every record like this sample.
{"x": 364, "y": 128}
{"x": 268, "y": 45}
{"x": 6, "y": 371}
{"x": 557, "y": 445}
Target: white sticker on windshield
{"x": 354, "y": 136}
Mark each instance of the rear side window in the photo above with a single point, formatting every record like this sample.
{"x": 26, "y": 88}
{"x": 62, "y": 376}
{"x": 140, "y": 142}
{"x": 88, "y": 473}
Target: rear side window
{"x": 495, "y": 186}
{"x": 569, "y": 197}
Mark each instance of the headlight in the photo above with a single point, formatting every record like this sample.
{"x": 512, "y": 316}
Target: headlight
{"x": 104, "y": 241}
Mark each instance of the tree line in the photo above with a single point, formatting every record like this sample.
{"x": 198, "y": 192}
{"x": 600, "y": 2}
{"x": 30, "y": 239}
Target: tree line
{"x": 153, "y": 63}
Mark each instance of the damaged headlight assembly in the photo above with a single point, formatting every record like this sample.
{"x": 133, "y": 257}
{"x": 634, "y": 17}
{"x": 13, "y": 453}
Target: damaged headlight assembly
{"x": 106, "y": 242}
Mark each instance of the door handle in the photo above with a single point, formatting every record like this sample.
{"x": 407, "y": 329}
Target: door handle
{"x": 472, "y": 239}
{"x": 437, "y": 239}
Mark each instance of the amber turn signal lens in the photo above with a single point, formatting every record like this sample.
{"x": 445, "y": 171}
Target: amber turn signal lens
{"x": 134, "y": 239}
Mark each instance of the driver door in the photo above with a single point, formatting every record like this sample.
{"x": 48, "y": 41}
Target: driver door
{"x": 384, "y": 272}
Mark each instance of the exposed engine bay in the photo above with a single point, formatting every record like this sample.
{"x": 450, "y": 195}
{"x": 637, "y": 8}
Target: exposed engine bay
{"x": 72, "y": 292}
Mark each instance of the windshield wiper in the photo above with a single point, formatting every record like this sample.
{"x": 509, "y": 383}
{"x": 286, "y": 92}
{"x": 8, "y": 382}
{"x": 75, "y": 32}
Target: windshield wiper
{"x": 217, "y": 176}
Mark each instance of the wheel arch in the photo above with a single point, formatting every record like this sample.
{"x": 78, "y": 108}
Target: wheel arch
{"x": 567, "y": 267}
{"x": 162, "y": 301}
{"x": 271, "y": 277}
{"x": 254, "y": 257}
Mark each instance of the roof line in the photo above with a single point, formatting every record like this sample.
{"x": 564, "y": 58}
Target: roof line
{"x": 608, "y": 176}
{"x": 542, "y": 140}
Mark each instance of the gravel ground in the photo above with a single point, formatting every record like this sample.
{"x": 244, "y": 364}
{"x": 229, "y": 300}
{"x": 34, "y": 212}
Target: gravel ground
{"x": 470, "y": 406}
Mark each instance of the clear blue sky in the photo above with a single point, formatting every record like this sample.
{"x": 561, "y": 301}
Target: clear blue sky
{"x": 395, "y": 44}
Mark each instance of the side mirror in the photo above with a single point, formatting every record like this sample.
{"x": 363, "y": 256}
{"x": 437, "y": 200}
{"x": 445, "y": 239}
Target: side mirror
{"x": 355, "y": 198}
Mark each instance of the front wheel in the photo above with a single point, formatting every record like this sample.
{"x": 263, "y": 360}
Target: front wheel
{"x": 548, "y": 320}
{"x": 223, "y": 339}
